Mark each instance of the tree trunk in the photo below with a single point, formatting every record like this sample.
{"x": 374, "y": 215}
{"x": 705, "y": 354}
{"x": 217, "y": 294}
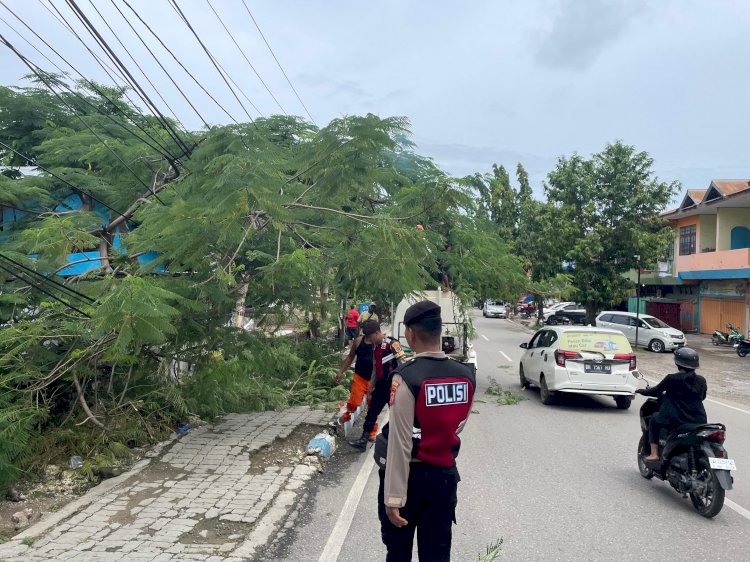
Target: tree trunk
{"x": 238, "y": 318}
{"x": 591, "y": 306}
{"x": 539, "y": 302}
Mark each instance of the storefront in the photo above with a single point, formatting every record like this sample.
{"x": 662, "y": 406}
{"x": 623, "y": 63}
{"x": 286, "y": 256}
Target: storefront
{"x": 722, "y": 302}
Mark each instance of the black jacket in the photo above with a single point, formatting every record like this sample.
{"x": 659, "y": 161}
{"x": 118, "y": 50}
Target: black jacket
{"x": 682, "y": 400}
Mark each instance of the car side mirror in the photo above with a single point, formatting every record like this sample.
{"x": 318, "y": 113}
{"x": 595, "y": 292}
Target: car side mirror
{"x": 524, "y": 345}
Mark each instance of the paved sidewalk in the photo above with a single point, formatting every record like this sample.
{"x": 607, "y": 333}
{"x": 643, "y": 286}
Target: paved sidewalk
{"x": 201, "y": 500}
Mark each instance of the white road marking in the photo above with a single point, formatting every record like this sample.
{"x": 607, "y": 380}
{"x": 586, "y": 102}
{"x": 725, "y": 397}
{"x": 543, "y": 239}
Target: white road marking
{"x": 727, "y": 406}
{"x": 485, "y": 337}
{"x": 711, "y": 400}
{"x": 340, "y": 530}
{"x": 738, "y": 508}
{"x": 504, "y": 355}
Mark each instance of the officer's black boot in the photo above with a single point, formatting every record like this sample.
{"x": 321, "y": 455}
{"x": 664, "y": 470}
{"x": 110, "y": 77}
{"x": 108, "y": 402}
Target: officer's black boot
{"x": 360, "y": 443}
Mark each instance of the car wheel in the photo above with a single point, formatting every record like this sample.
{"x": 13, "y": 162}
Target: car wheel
{"x": 657, "y": 346}
{"x": 524, "y": 381}
{"x": 547, "y": 396}
{"x": 623, "y": 402}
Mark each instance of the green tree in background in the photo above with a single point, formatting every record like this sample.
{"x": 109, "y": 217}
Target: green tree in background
{"x": 605, "y": 212}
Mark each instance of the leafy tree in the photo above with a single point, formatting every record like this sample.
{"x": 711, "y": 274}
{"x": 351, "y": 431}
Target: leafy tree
{"x": 604, "y": 213}
{"x": 267, "y": 221}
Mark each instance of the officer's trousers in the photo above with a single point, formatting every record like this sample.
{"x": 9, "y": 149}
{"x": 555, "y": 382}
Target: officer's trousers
{"x": 430, "y": 510}
{"x": 380, "y": 396}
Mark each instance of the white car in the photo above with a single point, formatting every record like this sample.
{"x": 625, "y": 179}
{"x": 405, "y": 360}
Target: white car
{"x": 494, "y": 309}
{"x": 653, "y": 334}
{"x": 580, "y": 360}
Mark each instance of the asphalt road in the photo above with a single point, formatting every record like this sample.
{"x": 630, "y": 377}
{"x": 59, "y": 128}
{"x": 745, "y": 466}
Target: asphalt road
{"x": 554, "y": 482}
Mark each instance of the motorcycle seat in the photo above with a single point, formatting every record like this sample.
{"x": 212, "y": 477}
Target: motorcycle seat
{"x": 696, "y": 426}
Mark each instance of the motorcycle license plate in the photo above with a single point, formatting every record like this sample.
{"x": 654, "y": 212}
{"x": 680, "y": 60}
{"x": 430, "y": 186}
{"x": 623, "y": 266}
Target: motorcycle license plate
{"x": 722, "y": 464}
{"x": 604, "y": 368}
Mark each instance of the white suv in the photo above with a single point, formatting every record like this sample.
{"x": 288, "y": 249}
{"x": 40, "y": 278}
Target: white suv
{"x": 653, "y": 334}
{"x": 580, "y": 360}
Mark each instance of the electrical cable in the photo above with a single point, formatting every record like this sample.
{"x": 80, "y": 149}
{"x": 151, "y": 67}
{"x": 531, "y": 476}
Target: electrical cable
{"x": 78, "y": 295}
{"x": 116, "y": 60}
{"x": 109, "y": 71}
{"x": 159, "y": 148}
{"x": 221, "y": 21}
{"x": 39, "y": 288}
{"x": 180, "y": 62}
{"x": 210, "y": 56}
{"x": 278, "y": 63}
{"x": 36, "y": 70}
{"x": 66, "y": 182}
{"x": 132, "y": 58}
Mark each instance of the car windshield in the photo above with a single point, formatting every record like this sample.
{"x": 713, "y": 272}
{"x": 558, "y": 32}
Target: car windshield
{"x": 655, "y": 323}
{"x": 599, "y": 342}
{"x": 494, "y": 303}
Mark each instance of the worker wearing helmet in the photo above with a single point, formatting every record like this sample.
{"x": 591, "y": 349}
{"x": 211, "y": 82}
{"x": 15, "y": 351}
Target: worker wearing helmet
{"x": 681, "y": 397}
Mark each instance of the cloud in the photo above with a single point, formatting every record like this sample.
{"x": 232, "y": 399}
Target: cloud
{"x": 582, "y": 29}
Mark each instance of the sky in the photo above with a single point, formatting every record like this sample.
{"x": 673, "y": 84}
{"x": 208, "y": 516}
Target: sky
{"x": 482, "y": 82}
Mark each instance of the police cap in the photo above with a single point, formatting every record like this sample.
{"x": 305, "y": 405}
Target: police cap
{"x": 421, "y": 311}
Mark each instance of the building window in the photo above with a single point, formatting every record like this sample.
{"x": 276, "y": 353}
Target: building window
{"x": 687, "y": 240}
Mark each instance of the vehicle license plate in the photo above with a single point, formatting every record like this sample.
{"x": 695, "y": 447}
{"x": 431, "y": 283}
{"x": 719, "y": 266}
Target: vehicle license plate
{"x": 604, "y": 368}
{"x": 722, "y": 464}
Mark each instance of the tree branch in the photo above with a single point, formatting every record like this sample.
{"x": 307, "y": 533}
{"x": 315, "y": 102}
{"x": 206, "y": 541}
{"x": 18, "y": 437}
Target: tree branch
{"x": 91, "y": 417}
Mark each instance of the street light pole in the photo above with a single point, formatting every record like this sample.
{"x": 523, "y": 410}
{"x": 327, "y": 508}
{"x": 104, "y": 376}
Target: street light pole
{"x": 637, "y": 300}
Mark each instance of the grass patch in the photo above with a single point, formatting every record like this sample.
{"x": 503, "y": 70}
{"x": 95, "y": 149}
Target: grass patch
{"x": 28, "y": 541}
{"x": 504, "y": 397}
{"x": 503, "y": 366}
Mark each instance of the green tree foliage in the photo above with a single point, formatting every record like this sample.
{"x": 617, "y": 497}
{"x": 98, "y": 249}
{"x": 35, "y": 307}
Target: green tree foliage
{"x": 267, "y": 221}
{"x": 605, "y": 212}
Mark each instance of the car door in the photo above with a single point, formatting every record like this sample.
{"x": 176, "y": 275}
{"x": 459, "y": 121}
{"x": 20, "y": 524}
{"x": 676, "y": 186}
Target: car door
{"x": 530, "y": 360}
{"x": 645, "y": 333}
{"x": 548, "y": 344}
{"x": 622, "y": 323}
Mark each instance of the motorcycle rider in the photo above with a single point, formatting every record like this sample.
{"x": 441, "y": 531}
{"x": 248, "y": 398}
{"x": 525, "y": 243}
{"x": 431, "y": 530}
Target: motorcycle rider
{"x": 681, "y": 397}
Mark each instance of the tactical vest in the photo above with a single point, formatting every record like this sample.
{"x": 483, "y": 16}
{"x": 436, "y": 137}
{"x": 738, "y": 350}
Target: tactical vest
{"x": 443, "y": 390}
{"x": 365, "y": 359}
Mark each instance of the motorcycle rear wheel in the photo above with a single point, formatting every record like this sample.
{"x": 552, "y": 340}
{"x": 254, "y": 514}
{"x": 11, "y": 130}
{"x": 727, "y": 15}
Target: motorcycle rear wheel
{"x": 645, "y": 471}
{"x": 742, "y": 351}
{"x": 710, "y": 503}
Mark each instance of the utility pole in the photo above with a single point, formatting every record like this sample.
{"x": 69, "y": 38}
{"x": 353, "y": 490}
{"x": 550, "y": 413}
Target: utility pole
{"x": 637, "y": 300}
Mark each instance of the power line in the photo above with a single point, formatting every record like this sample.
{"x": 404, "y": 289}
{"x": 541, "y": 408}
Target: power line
{"x": 160, "y": 65}
{"x": 18, "y": 275}
{"x": 75, "y": 294}
{"x": 36, "y": 71}
{"x": 245, "y": 56}
{"x": 109, "y": 71}
{"x": 132, "y": 58}
{"x": 66, "y": 182}
{"x": 278, "y": 63}
{"x": 177, "y": 60}
{"x": 211, "y": 58}
{"x": 159, "y": 148}
{"x": 115, "y": 59}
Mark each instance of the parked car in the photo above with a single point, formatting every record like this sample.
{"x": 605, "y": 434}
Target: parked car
{"x": 653, "y": 334}
{"x": 580, "y": 360}
{"x": 571, "y": 314}
{"x": 550, "y": 310}
{"x": 494, "y": 309}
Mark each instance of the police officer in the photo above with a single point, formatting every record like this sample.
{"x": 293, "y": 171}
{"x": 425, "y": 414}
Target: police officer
{"x": 430, "y": 401}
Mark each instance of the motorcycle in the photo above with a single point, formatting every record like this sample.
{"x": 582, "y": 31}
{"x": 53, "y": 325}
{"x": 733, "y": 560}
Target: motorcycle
{"x": 692, "y": 458}
{"x": 723, "y": 338}
{"x": 742, "y": 347}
